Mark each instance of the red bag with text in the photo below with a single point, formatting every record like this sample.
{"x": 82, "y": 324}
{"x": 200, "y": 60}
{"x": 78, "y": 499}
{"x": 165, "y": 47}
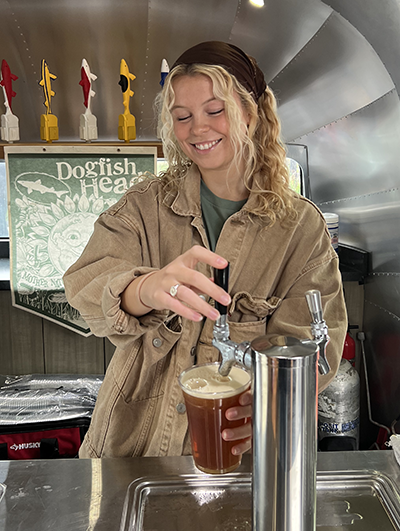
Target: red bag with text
{"x": 43, "y": 440}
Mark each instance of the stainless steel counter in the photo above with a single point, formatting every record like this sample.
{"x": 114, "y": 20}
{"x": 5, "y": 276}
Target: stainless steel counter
{"x": 85, "y": 495}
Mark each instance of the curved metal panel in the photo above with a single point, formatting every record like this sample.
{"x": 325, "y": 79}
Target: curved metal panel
{"x": 275, "y": 33}
{"x": 379, "y": 22}
{"x": 383, "y": 289}
{"x": 357, "y": 154}
{"x": 335, "y": 74}
{"x": 382, "y": 345}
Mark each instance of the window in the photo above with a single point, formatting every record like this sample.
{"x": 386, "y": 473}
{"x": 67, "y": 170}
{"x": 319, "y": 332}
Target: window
{"x": 162, "y": 165}
{"x": 295, "y": 176}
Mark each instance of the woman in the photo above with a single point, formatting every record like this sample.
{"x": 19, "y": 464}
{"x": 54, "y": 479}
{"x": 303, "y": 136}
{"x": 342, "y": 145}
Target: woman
{"x": 145, "y": 277}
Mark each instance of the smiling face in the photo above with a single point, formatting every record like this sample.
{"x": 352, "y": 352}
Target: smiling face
{"x": 201, "y": 125}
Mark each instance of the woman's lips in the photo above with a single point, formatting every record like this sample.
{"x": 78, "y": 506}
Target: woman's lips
{"x": 206, "y": 146}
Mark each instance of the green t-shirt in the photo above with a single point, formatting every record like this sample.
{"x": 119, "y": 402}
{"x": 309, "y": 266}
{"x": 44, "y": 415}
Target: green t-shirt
{"x": 215, "y": 212}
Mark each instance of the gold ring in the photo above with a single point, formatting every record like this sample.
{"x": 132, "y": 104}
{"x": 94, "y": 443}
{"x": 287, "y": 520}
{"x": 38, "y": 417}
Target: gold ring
{"x": 174, "y": 290}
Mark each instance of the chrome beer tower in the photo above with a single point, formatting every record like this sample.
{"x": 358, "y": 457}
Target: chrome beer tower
{"x": 284, "y": 387}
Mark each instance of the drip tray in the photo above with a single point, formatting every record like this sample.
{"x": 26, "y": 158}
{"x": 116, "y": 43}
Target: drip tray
{"x": 353, "y": 501}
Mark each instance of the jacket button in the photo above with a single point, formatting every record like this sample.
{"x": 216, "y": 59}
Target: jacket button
{"x": 157, "y": 342}
{"x": 181, "y": 408}
{"x": 193, "y": 351}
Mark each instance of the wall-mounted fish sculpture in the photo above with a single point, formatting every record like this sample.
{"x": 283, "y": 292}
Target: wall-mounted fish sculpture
{"x": 48, "y": 121}
{"x": 126, "y": 121}
{"x": 9, "y": 122}
{"x": 87, "y": 121}
{"x": 164, "y": 71}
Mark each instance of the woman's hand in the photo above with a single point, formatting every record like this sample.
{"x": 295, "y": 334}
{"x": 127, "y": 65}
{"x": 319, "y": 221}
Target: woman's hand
{"x": 242, "y": 433}
{"x": 154, "y": 291}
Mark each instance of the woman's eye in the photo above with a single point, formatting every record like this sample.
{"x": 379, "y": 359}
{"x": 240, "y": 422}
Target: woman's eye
{"x": 182, "y": 118}
{"x": 213, "y": 113}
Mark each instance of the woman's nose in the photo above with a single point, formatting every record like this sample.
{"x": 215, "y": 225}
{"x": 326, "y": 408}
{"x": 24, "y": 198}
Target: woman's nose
{"x": 199, "y": 125}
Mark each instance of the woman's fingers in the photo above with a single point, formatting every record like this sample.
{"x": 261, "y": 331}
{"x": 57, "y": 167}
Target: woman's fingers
{"x": 197, "y": 283}
{"x": 188, "y": 299}
{"x": 198, "y": 254}
{"x": 186, "y": 303}
{"x": 242, "y": 447}
{"x": 243, "y": 411}
{"x": 236, "y": 434}
{"x": 242, "y": 433}
{"x": 182, "y": 271}
{"x": 185, "y": 300}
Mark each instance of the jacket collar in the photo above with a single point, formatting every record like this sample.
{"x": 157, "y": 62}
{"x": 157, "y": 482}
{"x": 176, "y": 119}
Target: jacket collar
{"x": 186, "y": 201}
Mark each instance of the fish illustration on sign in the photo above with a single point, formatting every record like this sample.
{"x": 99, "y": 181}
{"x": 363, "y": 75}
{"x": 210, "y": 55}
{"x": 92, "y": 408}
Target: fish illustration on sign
{"x": 88, "y": 121}
{"x": 48, "y": 121}
{"x": 126, "y": 122}
{"x": 37, "y": 186}
{"x": 164, "y": 71}
{"x": 9, "y": 122}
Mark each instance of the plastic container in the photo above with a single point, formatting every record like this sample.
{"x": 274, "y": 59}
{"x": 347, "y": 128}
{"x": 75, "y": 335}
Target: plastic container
{"x": 332, "y": 222}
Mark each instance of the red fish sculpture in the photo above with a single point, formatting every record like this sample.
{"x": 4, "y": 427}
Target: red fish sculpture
{"x": 86, "y": 83}
{"x": 87, "y": 121}
{"x": 9, "y": 130}
{"x": 6, "y": 82}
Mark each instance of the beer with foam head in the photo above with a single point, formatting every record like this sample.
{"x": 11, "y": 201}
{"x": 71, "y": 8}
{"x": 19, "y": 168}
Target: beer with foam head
{"x": 207, "y": 397}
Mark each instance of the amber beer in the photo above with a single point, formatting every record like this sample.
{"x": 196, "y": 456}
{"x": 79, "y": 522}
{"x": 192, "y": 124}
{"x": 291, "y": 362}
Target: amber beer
{"x": 207, "y": 397}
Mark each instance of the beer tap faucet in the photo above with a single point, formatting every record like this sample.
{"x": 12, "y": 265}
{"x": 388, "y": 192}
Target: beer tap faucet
{"x": 284, "y": 388}
{"x": 231, "y": 352}
{"x": 319, "y": 328}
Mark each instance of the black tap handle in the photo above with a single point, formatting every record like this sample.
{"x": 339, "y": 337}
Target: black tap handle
{"x": 221, "y": 278}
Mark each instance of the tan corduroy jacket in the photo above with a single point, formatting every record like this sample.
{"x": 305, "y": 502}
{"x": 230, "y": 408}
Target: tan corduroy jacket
{"x": 139, "y": 410}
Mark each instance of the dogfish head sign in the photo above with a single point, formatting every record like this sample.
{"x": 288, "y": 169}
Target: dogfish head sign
{"x": 55, "y": 194}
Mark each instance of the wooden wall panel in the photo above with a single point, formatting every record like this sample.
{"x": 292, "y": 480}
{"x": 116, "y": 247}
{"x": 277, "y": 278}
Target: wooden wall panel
{"x": 354, "y": 295}
{"x": 22, "y": 340}
{"x": 32, "y": 345}
{"x": 67, "y": 352}
{"x": 5, "y": 327}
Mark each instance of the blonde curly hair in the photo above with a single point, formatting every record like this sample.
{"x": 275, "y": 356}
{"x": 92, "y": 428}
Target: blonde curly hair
{"x": 259, "y": 143}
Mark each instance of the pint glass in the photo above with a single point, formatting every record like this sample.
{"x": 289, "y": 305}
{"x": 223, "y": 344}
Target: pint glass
{"x": 207, "y": 396}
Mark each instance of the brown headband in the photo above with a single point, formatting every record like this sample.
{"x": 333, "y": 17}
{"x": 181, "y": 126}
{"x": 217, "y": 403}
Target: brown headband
{"x": 230, "y": 57}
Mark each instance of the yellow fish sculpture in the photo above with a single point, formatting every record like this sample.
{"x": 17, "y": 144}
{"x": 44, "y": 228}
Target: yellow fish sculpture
{"x": 48, "y": 121}
{"x": 126, "y": 121}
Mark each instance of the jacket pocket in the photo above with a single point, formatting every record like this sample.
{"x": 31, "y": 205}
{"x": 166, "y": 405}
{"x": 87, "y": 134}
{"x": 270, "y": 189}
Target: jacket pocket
{"x": 248, "y": 316}
{"x": 245, "y": 308}
{"x": 139, "y": 376}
